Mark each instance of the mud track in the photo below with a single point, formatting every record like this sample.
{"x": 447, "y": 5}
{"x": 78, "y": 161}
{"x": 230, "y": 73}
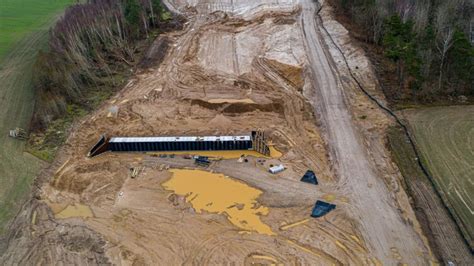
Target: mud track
{"x": 357, "y": 177}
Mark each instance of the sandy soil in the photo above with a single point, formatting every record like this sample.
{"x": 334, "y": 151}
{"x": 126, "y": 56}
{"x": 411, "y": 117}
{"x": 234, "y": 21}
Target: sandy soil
{"x": 234, "y": 68}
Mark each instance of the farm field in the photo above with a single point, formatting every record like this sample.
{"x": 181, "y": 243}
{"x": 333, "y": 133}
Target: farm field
{"x": 19, "y": 18}
{"x": 24, "y": 28}
{"x": 445, "y": 137}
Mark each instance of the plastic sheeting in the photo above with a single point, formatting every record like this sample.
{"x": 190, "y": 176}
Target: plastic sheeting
{"x": 310, "y": 177}
{"x": 321, "y": 208}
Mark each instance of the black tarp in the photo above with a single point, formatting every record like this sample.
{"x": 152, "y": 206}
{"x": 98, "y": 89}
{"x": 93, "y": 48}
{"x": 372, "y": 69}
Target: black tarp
{"x": 321, "y": 208}
{"x": 310, "y": 177}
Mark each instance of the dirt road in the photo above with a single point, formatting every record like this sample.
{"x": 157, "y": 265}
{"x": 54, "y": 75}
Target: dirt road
{"x": 381, "y": 224}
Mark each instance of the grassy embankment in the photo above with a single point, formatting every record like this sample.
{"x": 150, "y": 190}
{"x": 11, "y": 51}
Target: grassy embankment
{"x": 24, "y": 28}
{"x": 445, "y": 139}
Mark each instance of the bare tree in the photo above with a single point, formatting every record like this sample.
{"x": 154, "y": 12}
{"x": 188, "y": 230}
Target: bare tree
{"x": 443, "y": 45}
{"x": 445, "y": 31}
{"x": 377, "y": 23}
{"x": 405, "y": 9}
{"x": 377, "y": 14}
{"x": 421, "y": 15}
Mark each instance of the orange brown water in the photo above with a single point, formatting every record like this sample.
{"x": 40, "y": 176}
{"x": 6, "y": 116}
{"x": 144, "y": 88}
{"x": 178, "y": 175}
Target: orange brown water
{"x": 216, "y": 193}
{"x": 75, "y": 210}
{"x": 274, "y": 153}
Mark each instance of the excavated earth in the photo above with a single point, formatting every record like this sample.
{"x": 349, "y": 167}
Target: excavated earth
{"x": 236, "y": 66}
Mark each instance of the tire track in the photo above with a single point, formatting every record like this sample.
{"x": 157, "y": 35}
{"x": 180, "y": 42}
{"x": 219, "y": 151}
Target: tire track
{"x": 446, "y": 232}
{"x": 380, "y": 223}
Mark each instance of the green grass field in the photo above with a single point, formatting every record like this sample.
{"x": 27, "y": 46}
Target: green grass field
{"x": 445, "y": 138}
{"x": 19, "y": 18}
{"x": 24, "y": 26}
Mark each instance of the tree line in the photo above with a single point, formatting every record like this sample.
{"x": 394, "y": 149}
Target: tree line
{"x": 91, "y": 43}
{"x": 427, "y": 40}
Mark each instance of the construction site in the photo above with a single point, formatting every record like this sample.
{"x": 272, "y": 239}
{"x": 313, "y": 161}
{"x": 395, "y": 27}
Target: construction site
{"x": 243, "y": 146}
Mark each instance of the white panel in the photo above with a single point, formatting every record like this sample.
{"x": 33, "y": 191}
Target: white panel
{"x": 179, "y": 139}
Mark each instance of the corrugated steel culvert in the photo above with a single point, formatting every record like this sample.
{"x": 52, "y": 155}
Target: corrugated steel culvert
{"x": 179, "y": 143}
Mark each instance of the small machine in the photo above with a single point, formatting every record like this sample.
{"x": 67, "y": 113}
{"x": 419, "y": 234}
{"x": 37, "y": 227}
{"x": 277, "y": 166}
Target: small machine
{"x": 18, "y": 133}
{"x": 202, "y": 161}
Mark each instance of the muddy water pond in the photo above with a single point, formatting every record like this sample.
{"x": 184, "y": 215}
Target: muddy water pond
{"x": 217, "y": 193}
{"x": 75, "y": 210}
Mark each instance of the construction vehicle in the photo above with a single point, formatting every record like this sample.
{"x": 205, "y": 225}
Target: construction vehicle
{"x": 18, "y": 133}
{"x": 202, "y": 161}
{"x": 276, "y": 169}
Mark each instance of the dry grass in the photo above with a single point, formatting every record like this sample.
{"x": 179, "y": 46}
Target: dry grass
{"x": 445, "y": 137}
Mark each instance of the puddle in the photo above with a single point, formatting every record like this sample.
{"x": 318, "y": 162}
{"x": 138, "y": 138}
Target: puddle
{"x": 329, "y": 197}
{"x": 231, "y": 101}
{"x": 274, "y": 153}
{"x": 216, "y": 193}
{"x": 75, "y": 210}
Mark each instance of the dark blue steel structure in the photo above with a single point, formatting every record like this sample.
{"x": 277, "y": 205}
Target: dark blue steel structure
{"x": 170, "y": 144}
{"x": 182, "y": 143}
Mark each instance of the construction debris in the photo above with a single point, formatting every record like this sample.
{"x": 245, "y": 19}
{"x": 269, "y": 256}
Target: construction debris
{"x": 135, "y": 171}
{"x": 113, "y": 111}
{"x": 164, "y": 167}
{"x": 259, "y": 142}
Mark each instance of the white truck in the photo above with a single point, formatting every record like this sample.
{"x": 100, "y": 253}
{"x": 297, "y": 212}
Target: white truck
{"x": 276, "y": 169}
